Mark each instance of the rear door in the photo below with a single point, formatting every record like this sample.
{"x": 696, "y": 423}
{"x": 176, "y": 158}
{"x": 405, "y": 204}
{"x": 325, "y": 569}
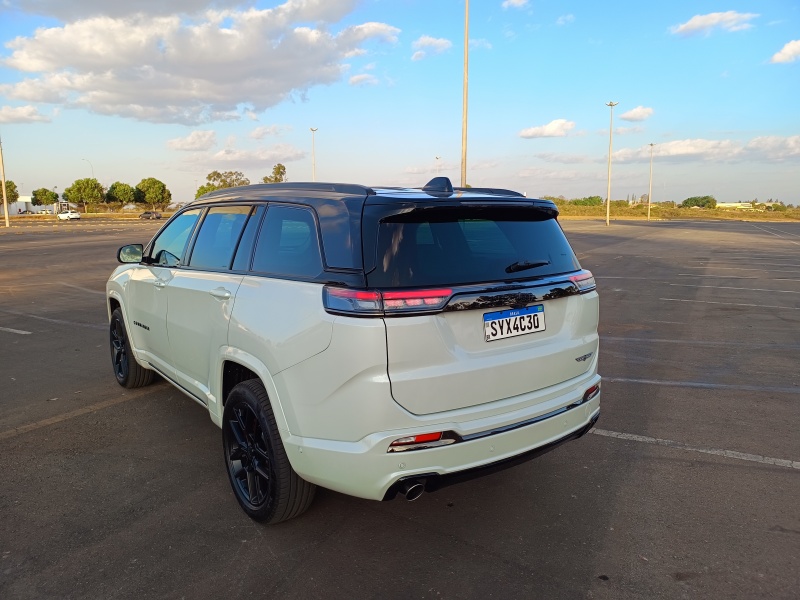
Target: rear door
{"x": 201, "y": 298}
{"x": 517, "y": 320}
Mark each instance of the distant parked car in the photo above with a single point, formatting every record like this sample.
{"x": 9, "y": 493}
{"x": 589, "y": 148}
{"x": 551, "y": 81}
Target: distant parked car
{"x": 150, "y": 214}
{"x": 68, "y": 215}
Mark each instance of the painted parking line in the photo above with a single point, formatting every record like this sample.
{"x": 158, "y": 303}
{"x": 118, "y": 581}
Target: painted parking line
{"x": 766, "y": 460}
{"x": 17, "y": 331}
{"x": 712, "y": 343}
{"x": 764, "y": 229}
{"x": 728, "y": 287}
{"x": 56, "y": 321}
{"x": 728, "y": 303}
{"x": 10, "y": 433}
{"x": 707, "y": 386}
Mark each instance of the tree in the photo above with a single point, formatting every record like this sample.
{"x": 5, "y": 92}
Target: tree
{"x": 278, "y": 175}
{"x": 218, "y": 181}
{"x": 120, "y": 193}
{"x": 701, "y": 201}
{"x": 588, "y": 201}
{"x": 83, "y": 191}
{"x": 154, "y": 192}
{"x": 12, "y": 195}
{"x": 43, "y": 197}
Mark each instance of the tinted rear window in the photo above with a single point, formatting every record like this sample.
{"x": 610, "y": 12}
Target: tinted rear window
{"x": 466, "y": 246}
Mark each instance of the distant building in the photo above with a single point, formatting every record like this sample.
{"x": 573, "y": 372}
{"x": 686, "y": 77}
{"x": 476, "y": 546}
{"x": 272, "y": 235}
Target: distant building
{"x": 736, "y": 205}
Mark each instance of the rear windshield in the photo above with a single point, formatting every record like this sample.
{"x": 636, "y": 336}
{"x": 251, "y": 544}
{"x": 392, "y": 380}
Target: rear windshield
{"x": 468, "y": 246}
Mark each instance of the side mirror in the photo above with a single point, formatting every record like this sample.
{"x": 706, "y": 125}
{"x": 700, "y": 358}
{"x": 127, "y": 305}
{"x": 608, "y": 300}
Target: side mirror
{"x": 132, "y": 253}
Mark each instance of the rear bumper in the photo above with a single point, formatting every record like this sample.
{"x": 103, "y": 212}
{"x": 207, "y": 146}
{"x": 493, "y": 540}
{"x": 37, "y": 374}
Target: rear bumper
{"x": 365, "y": 469}
{"x": 434, "y": 481}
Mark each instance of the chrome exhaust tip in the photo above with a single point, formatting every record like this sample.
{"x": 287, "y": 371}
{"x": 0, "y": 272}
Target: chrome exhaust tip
{"x": 412, "y": 490}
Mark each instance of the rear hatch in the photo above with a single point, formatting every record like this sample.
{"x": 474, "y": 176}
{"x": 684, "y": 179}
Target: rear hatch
{"x": 484, "y": 300}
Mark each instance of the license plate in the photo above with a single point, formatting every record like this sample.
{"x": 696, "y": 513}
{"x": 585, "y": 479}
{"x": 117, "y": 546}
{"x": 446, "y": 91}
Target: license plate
{"x": 514, "y": 322}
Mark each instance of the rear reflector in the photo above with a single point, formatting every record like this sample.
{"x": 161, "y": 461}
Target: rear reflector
{"x": 584, "y": 280}
{"x": 591, "y": 392}
{"x": 423, "y": 441}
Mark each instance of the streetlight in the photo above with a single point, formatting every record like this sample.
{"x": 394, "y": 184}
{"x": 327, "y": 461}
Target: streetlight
{"x": 438, "y": 158}
{"x": 90, "y": 164}
{"x": 650, "y": 193}
{"x": 464, "y": 102}
{"x": 3, "y": 183}
{"x": 313, "y": 154}
{"x": 611, "y": 105}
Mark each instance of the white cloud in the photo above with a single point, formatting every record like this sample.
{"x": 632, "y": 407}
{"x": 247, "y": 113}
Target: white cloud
{"x": 259, "y": 133}
{"x": 556, "y": 128}
{"x": 564, "y": 158}
{"x": 75, "y": 9}
{"x": 627, "y": 130}
{"x": 418, "y": 55}
{"x": 565, "y": 19}
{"x": 178, "y": 70}
{"x": 684, "y": 151}
{"x": 775, "y": 147}
{"x": 789, "y": 53}
{"x": 363, "y": 79}
{"x": 260, "y": 157}
{"x": 541, "y": 174}
{"x": 640, "y": 113}
{"x": 197, "y": 140}
{"x": 515, "y": 3}
{"x": 427, "y": 43}
{"x": 729, "y": 21}
{"x": 22, "y": 114}
{"x": 480, "y": 43}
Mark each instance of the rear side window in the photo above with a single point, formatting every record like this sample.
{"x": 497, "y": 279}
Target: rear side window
{"x": 288, "y": 243}
{"x": 219, "y": 233}
{"x": 460, "y": 246}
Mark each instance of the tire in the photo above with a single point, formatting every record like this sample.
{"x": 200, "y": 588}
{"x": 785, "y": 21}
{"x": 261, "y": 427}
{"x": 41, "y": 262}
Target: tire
{"x": 129, "y": 373}
{"x": 263, "y": 481}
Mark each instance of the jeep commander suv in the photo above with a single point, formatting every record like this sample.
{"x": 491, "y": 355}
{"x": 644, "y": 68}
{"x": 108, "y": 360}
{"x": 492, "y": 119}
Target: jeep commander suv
{"x": 373, "y": 341}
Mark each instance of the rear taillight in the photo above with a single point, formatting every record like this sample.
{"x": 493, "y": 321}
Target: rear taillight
{"x": 375, "y": 302}
{"x": 584, "y": 280}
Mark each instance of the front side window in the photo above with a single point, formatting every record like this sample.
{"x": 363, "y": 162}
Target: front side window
{"x": 288, "y": 243}
{"x": 219, "y": 233}
{"x": 169, "y": 246}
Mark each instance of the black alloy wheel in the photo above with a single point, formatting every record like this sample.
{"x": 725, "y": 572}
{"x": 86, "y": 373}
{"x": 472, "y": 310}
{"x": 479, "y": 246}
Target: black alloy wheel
{"x": 249, "y": 461}
{"x": 129, "y": 373}
{"x": 263, "y": 481}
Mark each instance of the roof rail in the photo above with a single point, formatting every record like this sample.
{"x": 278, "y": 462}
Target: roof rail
{"x": 305, "y": 186}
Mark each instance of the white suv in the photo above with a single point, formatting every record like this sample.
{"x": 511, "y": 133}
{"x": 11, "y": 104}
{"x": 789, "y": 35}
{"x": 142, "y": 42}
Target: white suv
{"x": 373, "y": 341}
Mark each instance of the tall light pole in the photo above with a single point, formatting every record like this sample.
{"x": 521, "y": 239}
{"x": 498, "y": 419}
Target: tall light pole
{"x": 464, "y": 107}
{"x": 611, "y": 105}
{"x": 650, "y": 192}
{"x": 3, "y": 182}
{"x": 438, "y": 158}
{"x": 313, "y": 154}
{"x": 90, "y": 165}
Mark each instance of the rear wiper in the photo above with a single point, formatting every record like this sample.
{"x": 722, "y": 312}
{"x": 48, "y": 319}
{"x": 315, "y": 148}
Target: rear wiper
{"x": 524, "y": 265}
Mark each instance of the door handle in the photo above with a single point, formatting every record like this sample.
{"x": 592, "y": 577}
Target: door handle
{"x": 159, "y": 283}
{"x": 220, "y": 293}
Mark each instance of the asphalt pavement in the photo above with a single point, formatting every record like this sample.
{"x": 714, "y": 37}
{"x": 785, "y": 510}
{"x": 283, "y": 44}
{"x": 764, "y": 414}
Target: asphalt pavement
{"x": 687, "y": 488}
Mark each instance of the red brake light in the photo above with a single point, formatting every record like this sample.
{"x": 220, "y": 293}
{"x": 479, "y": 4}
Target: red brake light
{"x": 415, "y": 299}
{"x": 377, "y": 302}
{"x": 584, "y": 280}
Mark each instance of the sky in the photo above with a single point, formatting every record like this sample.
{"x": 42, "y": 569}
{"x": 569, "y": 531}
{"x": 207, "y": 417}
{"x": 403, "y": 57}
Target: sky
{"x": 175, "y": 89}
